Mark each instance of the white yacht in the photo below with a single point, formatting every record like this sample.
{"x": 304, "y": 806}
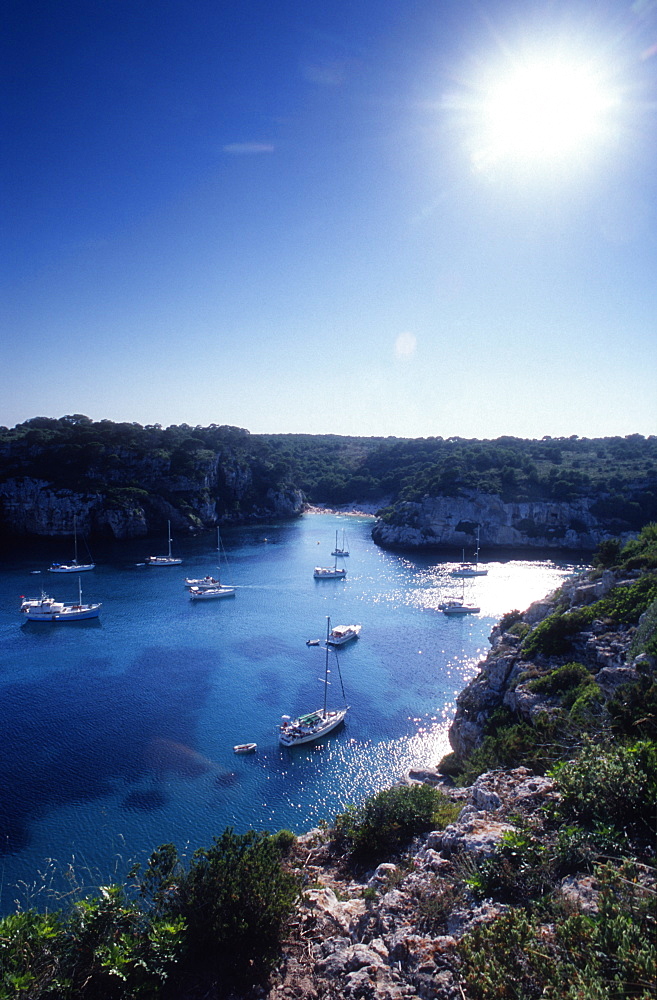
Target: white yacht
{"x": 167, "y": 560}
{"x": 312, "y": 726}
{"x": 343, "y": 633}
{"x": 210, "y": 593}
{"x": 47, "y": 609}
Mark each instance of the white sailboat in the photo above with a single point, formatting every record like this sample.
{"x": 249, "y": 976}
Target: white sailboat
{"x": 467, "y": 569}
{"x": 314, "y": 725}
{"x": 47, "y": 609}
{"x": 330, "y": 572}
{"x": 342, "y": 550}
{"x": 75, "y": 566}
{"x": 209, "y": 588}
{"x": 454, "y": 607}
{"x": 167, "y": 560}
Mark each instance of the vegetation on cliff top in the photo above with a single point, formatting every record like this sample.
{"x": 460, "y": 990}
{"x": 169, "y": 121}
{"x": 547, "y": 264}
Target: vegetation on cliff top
{"x": 113, "y": 459}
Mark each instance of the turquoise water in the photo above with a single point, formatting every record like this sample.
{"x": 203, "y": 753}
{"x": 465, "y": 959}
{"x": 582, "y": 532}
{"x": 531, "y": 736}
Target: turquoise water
{"x": 118, "y": 732}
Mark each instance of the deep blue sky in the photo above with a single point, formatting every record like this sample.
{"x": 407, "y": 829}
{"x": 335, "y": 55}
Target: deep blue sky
{"x": 306, "y": 217}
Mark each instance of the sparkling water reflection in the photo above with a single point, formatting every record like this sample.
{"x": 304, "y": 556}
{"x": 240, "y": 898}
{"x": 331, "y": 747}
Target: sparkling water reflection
{"x": 119, "y": 731}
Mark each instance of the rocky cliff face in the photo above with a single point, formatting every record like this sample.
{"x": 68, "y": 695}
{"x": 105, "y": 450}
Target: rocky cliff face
{"x": 30, "y": 506}
{"x": 450, "y": 522}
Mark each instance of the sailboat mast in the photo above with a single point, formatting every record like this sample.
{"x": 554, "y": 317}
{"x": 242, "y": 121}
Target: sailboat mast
{"x": 75, "y": 539}
{"x": 328, "y": 632}
{"x": 169, "y": 534}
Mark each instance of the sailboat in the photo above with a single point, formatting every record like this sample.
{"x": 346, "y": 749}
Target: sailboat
{"x": 470, "y": 569}
{"x": 209, "y": 588}
{"x": 331, "y": 572}
{"x": 453, "y": 607}
{"x": 75, "y": 566}
{"x": 314, "y": 725}
{"x": 167, "y": 560}
{"x": 47, "y": 609}
{"x": 343, "y": 550}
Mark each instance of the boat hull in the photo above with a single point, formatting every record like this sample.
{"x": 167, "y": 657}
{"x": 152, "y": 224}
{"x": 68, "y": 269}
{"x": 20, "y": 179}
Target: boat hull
{"x": 57, "y": 613}
{"x": 211, "y": 594}
{"x": 163, "y": 561}
{"x": 322, "y": 573}
{"x": 71, "y": 568}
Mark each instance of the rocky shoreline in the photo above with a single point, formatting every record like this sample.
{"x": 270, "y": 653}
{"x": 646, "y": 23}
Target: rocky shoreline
{"x": 451, "y": 522}
{"x": 366, "y": 934}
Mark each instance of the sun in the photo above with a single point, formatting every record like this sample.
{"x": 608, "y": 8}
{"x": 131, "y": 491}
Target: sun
{"x": 542, "y": 110}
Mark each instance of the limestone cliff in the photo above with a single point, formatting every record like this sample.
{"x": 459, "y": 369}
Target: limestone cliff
{"x": 450, "y": 522}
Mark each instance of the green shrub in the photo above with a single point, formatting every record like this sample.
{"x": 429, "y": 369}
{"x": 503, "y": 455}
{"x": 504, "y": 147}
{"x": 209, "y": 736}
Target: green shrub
{"x": 520, "y": 629}
{"x": 236, "y": 900}
{"x": 388, "y": 820}
{"x": 562, "y": 679}
{"x": 645, "y": 638}
{"x": 509, "y": 619}
{"x": 105, "y": 948}
{"x": 510, "y": 743}
{"x": 284, "y": 840}
{"x": 614, "y": 785}
{"x": 553, "y": 635}
{"x": 522, "y": 956}
{"x": 633, "y": 709}
{"x": 520, "y": 868}
{"x": 622, "y": 605}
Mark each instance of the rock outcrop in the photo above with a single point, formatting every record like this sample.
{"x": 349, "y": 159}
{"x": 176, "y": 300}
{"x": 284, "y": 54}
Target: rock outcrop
{"x": 450, "y": 522}
{"x": 36, "y": 507}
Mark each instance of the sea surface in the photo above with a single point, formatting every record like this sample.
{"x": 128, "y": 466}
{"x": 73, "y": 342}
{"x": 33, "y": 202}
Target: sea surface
{"x": 118, "y": 733}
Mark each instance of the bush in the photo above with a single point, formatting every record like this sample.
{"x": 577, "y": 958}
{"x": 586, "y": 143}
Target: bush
{"x": 510, "y": 743}
{"x": 236, "y": 899}
{"x": 388, "y": 820}
{"x": 614, "y": 785}
{"x": 521, "y": 956}
{"x": 645, "y": 638}
{"x": 105, "y": 948}
{"x": 562, "y": 679}
{"x": 518, "y": 870}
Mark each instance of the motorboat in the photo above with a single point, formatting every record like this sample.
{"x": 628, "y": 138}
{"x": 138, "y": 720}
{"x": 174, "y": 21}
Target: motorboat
{"x": 210, "y": 593}
{"x": 314, "y": 725}
{"x": 245, "y": 748}
{"x": 75, "y": 566}
{"x": 203, "y": 583}
{"x": 343, "y": 633}
{"x": 47, "y": 609}
{"x": 167, "y": 560}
